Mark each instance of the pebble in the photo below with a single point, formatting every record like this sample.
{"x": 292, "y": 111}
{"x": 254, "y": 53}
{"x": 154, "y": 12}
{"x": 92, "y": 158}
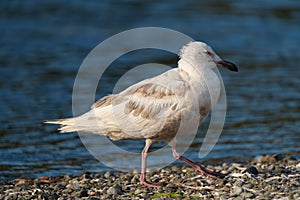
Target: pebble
{"x": 135, "y": 179}
{"x": 83, "y": 193}
{"x": 94, "y": 198}
{"x": 252, "y": 170}
{"x": 238, "y": 183}
{"x": 138, "y": 191}
{"x": 175, "y": 168}
{"x": 248, "y": 185}
{"x": 114, "y": 190}
{"x": 236, "y": 190}
{"x": 74, "y": 185}
{"x": 247, "y": 195}
{"x": 267, "y": 177}
{"x": 59, "y": 186}
{"x": 107, "y": 174}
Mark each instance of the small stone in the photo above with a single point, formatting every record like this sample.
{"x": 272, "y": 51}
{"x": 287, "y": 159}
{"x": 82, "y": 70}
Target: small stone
{"x": 114, "y": 190}
{"x": 278, "y": 157}
{"x": 74, "y": 185}
{"x": 43, "y": 196}
{"x": 107, "y": 174}
{"x": 224, "y": 172}
{"x": 135, "y": 179}
{"x": 175, "y": 168}
{"x": 86, "y": 176}
{"x": 94, "y": 198}
{"x": 59, "y": 186}
{"x": 67, "y": 177}
{"x": 248, "y": 195}
{"x": 272, "y": 168}
{"x": 83, "y": 193}
{"x": 248, "y": 185}
{"x": 251, "y": 170}
{"x": 138, "y": 191}
{"x": 236, "y": 190}
{"x": 54, "y": 196}
{"x": 104, "y": 191}
{"x": 13, "y": 195}
{"x": 238, "y": 198}
{"x": 238, "y": 183}
{"x": 296, "y": 195}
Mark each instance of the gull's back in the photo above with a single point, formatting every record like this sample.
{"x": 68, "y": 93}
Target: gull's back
{"x": 153, "y": 108}
{"x": 158, "y": 108}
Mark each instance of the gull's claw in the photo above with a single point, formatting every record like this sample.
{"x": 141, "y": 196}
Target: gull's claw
{"x": 155, "y": 185}
{"x": 208, "y": 172}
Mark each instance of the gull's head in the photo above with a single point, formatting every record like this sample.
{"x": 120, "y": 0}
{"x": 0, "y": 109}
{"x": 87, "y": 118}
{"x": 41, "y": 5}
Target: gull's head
{"x": 204, "y": 55}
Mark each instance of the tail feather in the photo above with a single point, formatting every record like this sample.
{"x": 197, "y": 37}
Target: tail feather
{"x": 68, "y": 121}
{"x": 86, "y": 123}
{"x": 67, "y": 125}
{"x": 67, "y": 129}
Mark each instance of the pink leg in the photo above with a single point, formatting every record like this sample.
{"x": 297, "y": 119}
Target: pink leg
{"x": 198, "y": 168}
{"x": 143, "y": 171}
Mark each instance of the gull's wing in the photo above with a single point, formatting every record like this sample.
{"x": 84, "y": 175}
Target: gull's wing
{"x": 144, "y": 109}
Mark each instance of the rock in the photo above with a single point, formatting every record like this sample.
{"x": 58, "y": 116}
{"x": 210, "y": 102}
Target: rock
{"x": 251, "y": 170}
{"x": 114, "y": 190}
{"x": 247, "y": 195}
{"x": 138, "y": 191}
{"x": 13, "y": 195}
{"x": 278, "y": 157}
{"x": 236, "y": 190}
{"x": 86, "y": 176}
{"x": 238, "y": 183}
{"x": 296, "y": 195}
{"x": 94, "y": 198}
{"x": 107, "y": 174}
{"x": 59, "y": 186}
{"x": 54, "y": 196}
{"x": 135, "y": 179}
{"x": 83, "y": 193}
{"x": 43, "y": 196}
{"x": 248, "y": 185}
{"x": 74, "y": 185}
{"x": 175, "y": 168}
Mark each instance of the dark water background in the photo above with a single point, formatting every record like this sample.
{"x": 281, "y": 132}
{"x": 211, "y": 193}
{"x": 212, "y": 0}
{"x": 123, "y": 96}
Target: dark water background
{"x": 42, "y": 44}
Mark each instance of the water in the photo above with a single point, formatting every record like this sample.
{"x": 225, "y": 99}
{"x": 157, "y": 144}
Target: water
{"x": 43, "y": 44}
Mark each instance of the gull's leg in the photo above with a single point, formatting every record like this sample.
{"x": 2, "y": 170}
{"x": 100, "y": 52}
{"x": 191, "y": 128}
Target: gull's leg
{"x": 198, "y": 168}
{"x": 143, "y": 170}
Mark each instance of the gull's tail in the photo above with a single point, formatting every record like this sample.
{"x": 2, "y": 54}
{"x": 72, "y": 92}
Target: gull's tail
{"x": 67, "y": 125}
{"x": 90, "y": 123}
{"x": 87, "y": 123}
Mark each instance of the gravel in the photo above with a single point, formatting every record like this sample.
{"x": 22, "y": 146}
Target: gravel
{"x": 266, "y": 177}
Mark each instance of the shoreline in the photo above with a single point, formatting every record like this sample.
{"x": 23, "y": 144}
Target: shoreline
{"x": 267, "y": 177}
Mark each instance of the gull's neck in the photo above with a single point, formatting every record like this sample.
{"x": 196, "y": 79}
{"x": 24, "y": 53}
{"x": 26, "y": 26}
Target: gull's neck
{"x": 193, "y": 68}
{"x": 200, "y": 76}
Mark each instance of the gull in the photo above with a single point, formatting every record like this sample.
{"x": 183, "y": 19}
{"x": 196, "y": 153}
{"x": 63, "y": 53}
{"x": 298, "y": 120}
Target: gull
{"x": 158, "y": 108}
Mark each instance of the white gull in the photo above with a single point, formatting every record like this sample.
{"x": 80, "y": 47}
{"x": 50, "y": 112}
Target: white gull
{"x": 158, "y": 108}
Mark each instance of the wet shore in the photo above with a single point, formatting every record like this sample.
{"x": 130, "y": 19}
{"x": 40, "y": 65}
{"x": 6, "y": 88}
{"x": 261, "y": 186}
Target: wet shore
{"x": 265, "y": 177}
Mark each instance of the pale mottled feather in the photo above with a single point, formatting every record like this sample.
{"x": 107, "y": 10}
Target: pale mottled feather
{"x": 152, "y": 108}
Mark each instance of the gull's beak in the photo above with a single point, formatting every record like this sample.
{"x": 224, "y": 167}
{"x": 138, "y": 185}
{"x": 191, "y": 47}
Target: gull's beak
{"x": 227, "y": 65}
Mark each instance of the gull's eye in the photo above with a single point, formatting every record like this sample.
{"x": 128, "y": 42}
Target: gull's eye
{"x": 209, "y": 53}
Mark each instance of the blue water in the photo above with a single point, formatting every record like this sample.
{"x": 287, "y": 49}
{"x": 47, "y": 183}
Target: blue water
{"x": 43, "y": 44}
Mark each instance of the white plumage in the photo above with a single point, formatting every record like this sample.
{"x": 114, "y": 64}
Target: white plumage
{"x": 158, "y": 108}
